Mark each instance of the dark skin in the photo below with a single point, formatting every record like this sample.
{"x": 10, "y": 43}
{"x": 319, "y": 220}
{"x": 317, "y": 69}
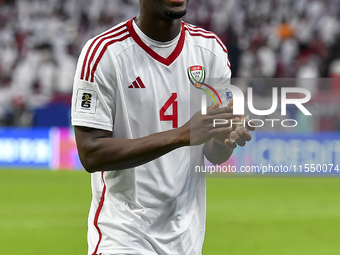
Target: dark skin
{"x": 99, "y": 151}
{"x": 155, "y": 23}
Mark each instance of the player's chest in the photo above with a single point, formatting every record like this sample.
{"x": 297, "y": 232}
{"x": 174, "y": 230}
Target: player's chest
{"x": 156, "y": 89}
{"x": 162, "y": 93}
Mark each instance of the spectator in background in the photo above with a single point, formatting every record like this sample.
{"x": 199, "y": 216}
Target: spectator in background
{"x": 328, "y": 28}
{"x": 333, "y": 71}
{"x": 66, "y": 67}
{"x": 304, "y": 30}
{"x": 267, "y": 60}
{"x": 307, "y": 74}
{"x": 35, "y": 76}
{"x": 232, "y": 44}
{"x": 285, "y": 30}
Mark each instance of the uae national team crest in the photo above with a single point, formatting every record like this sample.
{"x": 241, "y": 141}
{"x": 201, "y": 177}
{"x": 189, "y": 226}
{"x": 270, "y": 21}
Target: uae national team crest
{"x": 196, "y": 76}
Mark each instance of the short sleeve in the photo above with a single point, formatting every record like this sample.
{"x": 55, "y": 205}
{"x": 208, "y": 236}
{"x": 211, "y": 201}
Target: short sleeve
{"x": 224, "y": 76}
{"x": 223, "y": 66}
{"x": 93, "y": 103}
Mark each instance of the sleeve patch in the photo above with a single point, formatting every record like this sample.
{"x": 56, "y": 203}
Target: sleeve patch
{"x": 86, "y": 101}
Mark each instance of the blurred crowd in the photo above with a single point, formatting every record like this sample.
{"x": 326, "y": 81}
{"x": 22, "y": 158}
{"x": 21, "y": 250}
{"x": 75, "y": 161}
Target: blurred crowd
{"x": 277, "y": 38}
{"x": 40, "y": 41}
{"x": 285, "y": 39}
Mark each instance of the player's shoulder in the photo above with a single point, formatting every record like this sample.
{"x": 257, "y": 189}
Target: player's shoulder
{"x": 94, "y": 53}
{"x": 115, "y": 36}
{"x": 204, "y": 38}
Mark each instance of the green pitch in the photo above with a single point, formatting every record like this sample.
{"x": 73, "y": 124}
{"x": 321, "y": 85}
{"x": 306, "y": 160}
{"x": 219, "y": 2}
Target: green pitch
{"x": 45, "y": 212}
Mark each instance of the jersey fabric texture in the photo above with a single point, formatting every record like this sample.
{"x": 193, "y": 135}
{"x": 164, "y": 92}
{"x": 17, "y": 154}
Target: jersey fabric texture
{"x": 122, "y": 85}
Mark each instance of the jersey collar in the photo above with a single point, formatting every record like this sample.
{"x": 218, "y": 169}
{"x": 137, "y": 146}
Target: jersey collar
{"x": 166, "y": 61}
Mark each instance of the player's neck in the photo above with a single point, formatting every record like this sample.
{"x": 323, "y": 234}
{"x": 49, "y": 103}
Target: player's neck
{"x": 159, "y": 30}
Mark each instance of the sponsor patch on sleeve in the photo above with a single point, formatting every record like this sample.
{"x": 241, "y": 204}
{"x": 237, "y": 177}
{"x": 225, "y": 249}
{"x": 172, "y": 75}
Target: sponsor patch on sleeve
{"x": 86, "y": 101}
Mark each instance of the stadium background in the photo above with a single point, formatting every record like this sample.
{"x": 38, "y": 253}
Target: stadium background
{"x": 287, "y": 42}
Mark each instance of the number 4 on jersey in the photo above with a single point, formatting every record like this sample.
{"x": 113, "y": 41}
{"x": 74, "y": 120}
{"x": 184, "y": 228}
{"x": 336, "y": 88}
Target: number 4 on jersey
{"x": 174, "y": 116}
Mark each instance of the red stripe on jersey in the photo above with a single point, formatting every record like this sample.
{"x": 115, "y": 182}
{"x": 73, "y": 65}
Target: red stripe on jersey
{"x": 141, "y": 84}
{"x": 93, "y": 42}
{"x": 102, "y": 53}
{"x": 166, "y": 61}
{"x": 100, "y": 206}
{"x": 96, "y": 48}
{"x": 198, "y": 29}
{"x": 213, "y": 36}
{"x": 135, "y": 85}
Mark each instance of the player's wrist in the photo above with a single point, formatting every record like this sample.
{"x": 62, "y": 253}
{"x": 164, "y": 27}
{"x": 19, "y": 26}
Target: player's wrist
{"x": 181, "y": 136}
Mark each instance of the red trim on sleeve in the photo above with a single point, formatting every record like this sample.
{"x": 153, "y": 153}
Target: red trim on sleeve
{"x": 96, "y": 48}
{"x": 196, "y": 31}
{"x": 102, "y": 53}
{"x": 212, "y": 36}
{"x": 93, "y": 42}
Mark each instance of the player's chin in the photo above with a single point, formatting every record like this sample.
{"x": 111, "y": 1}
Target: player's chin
{"x": 175, "y": 9}
{"x": 175, "y": 14}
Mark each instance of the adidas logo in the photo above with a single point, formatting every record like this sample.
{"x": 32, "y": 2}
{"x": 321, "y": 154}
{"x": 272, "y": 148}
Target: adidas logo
{"x": 137, "y": 84}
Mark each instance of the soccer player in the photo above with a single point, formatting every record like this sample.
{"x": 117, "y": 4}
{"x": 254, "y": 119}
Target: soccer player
{"x": 134, "y": 131}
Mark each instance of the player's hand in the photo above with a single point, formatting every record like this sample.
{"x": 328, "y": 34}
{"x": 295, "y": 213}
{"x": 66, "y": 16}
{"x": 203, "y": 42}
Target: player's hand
{"x": 200, "y": 128}
{"x": 240, "y": 135}
{"x": 224, "y": 137}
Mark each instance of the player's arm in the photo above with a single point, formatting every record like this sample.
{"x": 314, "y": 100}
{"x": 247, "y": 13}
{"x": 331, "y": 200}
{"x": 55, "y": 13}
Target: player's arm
{"x": 99, "y": 151}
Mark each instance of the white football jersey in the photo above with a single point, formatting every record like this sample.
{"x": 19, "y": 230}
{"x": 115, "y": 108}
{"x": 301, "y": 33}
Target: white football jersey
{"x": 124, "y": 86}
